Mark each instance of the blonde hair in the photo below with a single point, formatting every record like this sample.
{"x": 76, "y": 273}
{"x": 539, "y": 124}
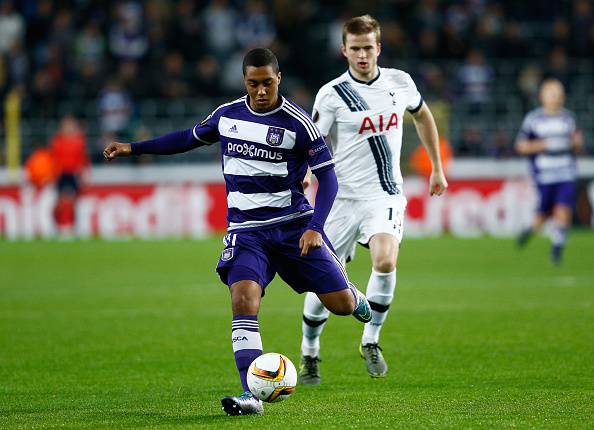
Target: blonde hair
{"x": 361, "y": 25}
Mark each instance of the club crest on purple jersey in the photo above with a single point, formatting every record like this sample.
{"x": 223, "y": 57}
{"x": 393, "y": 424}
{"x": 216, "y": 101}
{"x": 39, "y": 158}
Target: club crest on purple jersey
{"x": 275, "y": 136}
{"x": 227, "y": 254}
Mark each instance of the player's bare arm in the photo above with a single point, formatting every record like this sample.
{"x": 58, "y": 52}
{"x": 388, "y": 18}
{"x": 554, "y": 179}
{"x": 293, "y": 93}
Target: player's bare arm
{"x": 427, "y": 131}
{"x": 577, "y": 141}
{"x": 530, "y": 146}
{"x": 116, "y": 149}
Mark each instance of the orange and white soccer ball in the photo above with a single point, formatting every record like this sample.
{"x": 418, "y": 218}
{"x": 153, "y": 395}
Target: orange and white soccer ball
{"x": 272, "y": 377}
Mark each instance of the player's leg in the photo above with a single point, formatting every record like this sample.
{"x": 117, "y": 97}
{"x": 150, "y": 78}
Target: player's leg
{"x": 320, "y": 271}
{"x": 315, "y": 316}
{"x": 562, "y": 212}
{"x": 244, "y": 267}
{"x": 247, "y": 344}
{"x": 545, "y": 203}
{"x": 340, "y": 229}
{"x": 382, "y": 231}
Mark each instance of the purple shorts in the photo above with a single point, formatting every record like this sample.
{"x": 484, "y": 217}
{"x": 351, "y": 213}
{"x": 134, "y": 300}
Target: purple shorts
{"x": 551, "y": 195}
{"x": 258, "y": 255}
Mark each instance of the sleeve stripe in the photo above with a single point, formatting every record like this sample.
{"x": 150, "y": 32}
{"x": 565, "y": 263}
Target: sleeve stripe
{"x": 194, "y": 132}
{"x": 306, "y": 118}
{"x": 307, "y": 122}
{"x": 325, "y": 163}
{"x": 415, "y": 110}
{"x": 295, "y": 113}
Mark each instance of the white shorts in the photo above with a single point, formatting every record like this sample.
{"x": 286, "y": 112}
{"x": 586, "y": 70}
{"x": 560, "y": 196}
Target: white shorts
{"x": 352, "y": 221}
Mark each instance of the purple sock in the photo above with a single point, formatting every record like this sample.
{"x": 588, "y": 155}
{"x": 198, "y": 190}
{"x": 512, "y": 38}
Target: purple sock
{"x": 247, "y": 344}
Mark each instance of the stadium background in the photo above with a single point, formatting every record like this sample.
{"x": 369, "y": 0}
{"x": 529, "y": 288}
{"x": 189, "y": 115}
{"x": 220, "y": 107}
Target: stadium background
{"x": 135, "y": 333}
{"x": 131, "y": 70}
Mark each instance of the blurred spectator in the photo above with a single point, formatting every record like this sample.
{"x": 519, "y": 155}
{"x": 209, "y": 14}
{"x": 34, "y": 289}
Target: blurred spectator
{"x": 512, "y": 44}
{"x": 394, "y": 43}
{"x": 428, "y": 45}
{"x": 172, "y": 81}
{"x": 207, "y": 72}
{"x": 69, "y": 152}
{"x": 90, "y": 44}
{"x": 12, "y": 26}
{"x": 62, "y": 31}
{"x": 558, "y": 66}
{"x": 421, "y": 163}
{"x": 38, "y": 28}
{"x": 18, "y": 65}
{"x": 127, "y": 39}
{"x": 255, "y": 27}
{"x": 471, "y": 142}
{"x": 582, "y": 26}
{"x": 48, "y": 82}
{"x": 115, "y": 108}
{"x": 186, "y": 30}
{"x": 428, "y": 16}
{"x": 475, "y": 78}
{"x": 528, "y": 83}
{"x": 560, "y": 33}
{"x": 130, "y": 79}
{"x": 219, "y": 27}
{"x": 488, "y": 30}
{"x": 40, "y": 167}
{"x": 499, "y": 144}
{"x": 91, "y": 80}
{"x": 454, "y": 42}
{"x": 432, "y": 82}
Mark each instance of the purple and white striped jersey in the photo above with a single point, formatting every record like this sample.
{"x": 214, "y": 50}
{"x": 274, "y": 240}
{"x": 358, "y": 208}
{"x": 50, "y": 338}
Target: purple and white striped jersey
{"x": 264, "y": 159}
{"x": 557, "y": 163}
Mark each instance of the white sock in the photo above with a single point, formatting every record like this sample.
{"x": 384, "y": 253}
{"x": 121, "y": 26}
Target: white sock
{"x": 314, "y": 319}
{"x": 558, "y": 234}
{"x": 380, "y": 292}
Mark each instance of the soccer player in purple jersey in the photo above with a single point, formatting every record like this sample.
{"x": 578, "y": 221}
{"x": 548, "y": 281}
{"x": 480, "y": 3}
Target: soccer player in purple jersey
{"x": 550, "y": 138}
{"x": 267, "y": 143}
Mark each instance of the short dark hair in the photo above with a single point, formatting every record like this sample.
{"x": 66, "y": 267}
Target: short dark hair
{"x": 358, "y": 25}
{"x": 260, "y": 57}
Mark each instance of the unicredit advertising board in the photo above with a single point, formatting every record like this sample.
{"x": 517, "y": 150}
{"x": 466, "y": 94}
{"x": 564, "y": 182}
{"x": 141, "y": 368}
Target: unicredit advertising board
{"x": 170, "y": 203}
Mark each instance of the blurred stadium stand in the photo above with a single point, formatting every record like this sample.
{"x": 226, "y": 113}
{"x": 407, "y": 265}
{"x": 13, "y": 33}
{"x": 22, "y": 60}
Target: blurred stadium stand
{"x": 157, "y": 65}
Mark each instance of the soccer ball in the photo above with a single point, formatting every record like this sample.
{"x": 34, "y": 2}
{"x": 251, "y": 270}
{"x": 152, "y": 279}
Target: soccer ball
{"x": 272, "y": 377}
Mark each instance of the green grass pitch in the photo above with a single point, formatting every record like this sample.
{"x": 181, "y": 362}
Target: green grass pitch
{"x": 137, "y": 335}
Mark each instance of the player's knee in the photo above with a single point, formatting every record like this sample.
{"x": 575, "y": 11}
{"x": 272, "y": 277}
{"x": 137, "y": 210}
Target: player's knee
{"x": 343, "y": 305}
{"x": 245, "y": 298}
{"x": 245, "y": 304}
{"x": 384, "y": 264}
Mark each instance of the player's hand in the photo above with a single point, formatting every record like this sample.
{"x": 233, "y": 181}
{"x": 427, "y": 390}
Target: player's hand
{"x": 310, "y": 240}
{"x": 115, "y": 150}
{"x": 437, "y": 183}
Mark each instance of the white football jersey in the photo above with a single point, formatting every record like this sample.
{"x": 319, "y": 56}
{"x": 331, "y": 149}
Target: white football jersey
{"x": 366, "y": 120}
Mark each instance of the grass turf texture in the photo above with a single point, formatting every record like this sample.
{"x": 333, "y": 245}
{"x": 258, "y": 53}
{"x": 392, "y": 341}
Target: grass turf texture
{"x": 137, "y": 334}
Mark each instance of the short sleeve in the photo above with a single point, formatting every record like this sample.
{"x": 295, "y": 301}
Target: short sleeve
{"x": 526, "y": 130}
{"x": 324, "y": 111}
{"x": 207, "y": 131}
{"x": 415, "y": 101}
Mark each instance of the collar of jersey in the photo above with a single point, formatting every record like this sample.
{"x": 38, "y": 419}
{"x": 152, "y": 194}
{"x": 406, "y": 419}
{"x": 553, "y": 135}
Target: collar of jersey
{"x": 247, "y": 104}
{"x": 359, "y": 81}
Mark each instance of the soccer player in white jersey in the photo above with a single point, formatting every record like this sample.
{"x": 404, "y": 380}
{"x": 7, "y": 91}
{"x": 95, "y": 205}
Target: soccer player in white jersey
{"x": 364, "y": 109}
{"x": 550, "y": 138}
